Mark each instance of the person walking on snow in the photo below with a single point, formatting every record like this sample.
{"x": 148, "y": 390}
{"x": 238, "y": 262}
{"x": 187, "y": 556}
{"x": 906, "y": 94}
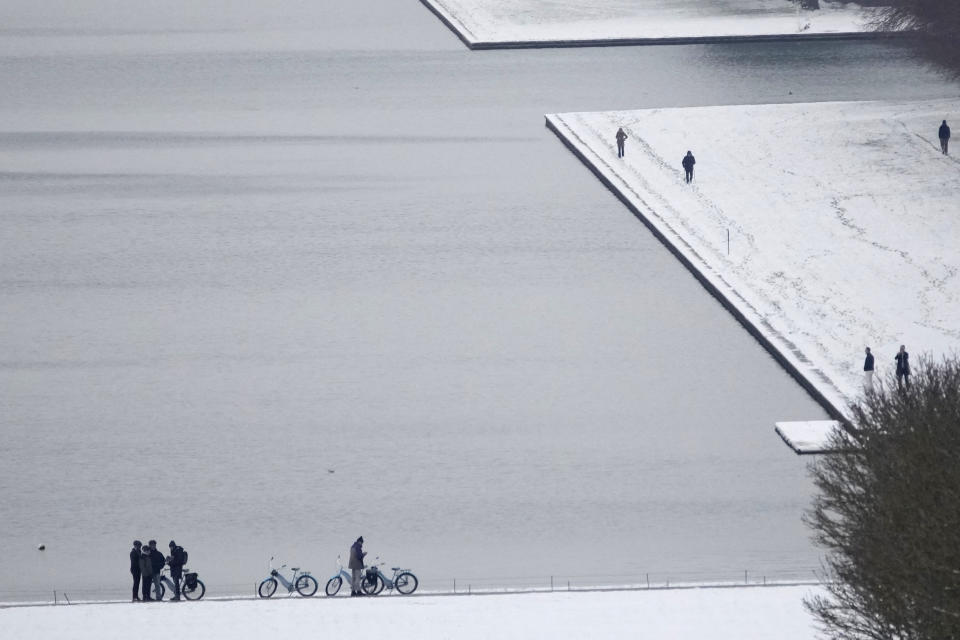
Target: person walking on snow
{"x": 356, "y": 566}
{"x": 135, "y": 568}
{"x": 688, "y": 162}
{"x": 621, "y": 141}
{"x": 944, "y": 134}
{"x": 903, "y": 367}
{"x": 868, "y": 371}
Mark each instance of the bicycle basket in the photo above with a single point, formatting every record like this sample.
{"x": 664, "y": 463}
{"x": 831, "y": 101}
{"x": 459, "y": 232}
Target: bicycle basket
{"x": 372, "y": 575}
{"x": 190, "y": 580}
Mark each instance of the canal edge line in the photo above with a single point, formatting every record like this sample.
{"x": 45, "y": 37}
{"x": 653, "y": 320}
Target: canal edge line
{"x": 449, "y": 19}
{"x": 789, "y": 358}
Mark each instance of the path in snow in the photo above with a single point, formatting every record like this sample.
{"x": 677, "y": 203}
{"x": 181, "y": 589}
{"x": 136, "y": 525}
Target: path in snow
{"x": 694, "y": 614}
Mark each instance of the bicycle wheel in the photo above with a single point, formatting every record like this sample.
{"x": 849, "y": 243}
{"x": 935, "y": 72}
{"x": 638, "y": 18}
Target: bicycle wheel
{"x": 267, "y": 588}
{"x": 333, "y": 585}
{"x": 195, "y": 593}
{"x": 306, "y": 586}
{"x": 371, "y": 587}
{"x": 406, "y": 583}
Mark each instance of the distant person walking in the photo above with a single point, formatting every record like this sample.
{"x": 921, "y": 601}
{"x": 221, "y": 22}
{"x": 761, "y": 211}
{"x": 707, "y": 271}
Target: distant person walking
{"x": 944, "y": 135}
{"x": 903, "y": 367}
{"x": 868, "y": 371}
{"x": 621, "y": 142}
{"x": 356, "y": 566}
{"x": 135, "y": 568}
{"x": 146, "y": 573}
{"x": 688, "y": 162}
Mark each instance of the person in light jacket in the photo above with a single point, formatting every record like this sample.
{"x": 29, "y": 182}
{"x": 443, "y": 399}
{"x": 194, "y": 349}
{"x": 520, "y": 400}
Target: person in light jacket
{"x": 356, "y": 566}
{"x": 146, "y": 572}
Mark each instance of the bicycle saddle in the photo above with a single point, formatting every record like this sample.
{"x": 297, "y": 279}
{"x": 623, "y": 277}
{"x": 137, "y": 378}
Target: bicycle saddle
{"x": 394, "y": 568}
{"x": 294, "y": 569}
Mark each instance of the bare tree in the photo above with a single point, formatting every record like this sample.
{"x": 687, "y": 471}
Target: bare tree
{"x": 888, "y": 513}
{"x": 934, "y": 23}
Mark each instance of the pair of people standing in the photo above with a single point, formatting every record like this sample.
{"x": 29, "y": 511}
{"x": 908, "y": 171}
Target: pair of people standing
{"x": 903, "y": 369}
{"x": 146, "y": 563}
{"x": 687, "y": 162}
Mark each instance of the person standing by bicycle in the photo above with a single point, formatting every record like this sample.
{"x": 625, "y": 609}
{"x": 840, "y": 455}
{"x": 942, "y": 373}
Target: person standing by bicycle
{"x": 176, "y": 560}
{"x": 356, "y": 566}
{"x": 157, "y": 561}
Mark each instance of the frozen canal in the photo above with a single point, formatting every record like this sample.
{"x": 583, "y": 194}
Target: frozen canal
{"x": 264, "y": 291}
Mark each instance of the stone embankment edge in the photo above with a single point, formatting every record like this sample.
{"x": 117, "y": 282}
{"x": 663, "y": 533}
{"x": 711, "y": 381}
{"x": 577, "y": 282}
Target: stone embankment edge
{"x": 461, "y": 31}
{"x": 744, "y": 317}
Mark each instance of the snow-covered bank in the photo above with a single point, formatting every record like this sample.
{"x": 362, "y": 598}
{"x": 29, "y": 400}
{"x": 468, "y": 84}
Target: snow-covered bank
{"x": 842, "y": 221}
{"x": 694, "y": 614}
{"x": 485, "y": 24}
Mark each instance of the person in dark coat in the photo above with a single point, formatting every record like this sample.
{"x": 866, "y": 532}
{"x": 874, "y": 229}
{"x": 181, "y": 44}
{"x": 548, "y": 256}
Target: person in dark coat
{"x": 176, "y": 562}
{"x": 868, "y": 371}
{"x": 146, "y": 573}
{"x": 688, "y": 162}
{"x": 135, "y": 568}
{"x": 944, "y": 135}
{"x": 158, "y": 561}
{"x": 621, "y": 141}
{"x": 903, "y": 367}
{"x": 356, "y": 566}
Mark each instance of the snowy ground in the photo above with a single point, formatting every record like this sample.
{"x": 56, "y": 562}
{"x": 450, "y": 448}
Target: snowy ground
{"x": 694, "y": 614}
{"x": 495, "y": 23}
{"x": 842, "y": 220}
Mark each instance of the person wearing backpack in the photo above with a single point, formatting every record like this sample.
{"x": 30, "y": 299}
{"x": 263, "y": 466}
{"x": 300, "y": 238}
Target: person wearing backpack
{"x": 177, "y": 559}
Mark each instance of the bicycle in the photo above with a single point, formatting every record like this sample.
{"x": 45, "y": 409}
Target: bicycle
{"x": 304, "y": 583}
{"x": 191, "y": 588}
{"x": 336, "y": 581}
{"x": 375, "y": 580}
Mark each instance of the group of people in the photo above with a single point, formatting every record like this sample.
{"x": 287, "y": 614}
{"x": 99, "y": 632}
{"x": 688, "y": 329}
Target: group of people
{"x": 903, "y": 369}
{"x": 146, "y": 563}
{"x": 688, "y": 160}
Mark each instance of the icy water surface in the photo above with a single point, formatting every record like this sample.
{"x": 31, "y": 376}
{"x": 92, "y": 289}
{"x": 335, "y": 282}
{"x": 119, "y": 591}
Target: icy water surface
{"x": 263, "y": 293}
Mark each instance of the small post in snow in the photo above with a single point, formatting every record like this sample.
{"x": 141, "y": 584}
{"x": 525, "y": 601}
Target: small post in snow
{"x": 54, "y": 596}
{"x": 728, "y": 241}
{"x": 66, "y": 597}
{"x": 648, "y": 581}
{"x": 454, "y": 585}
{"x": 551, "y": 583}
{"x": 745, "y": 577}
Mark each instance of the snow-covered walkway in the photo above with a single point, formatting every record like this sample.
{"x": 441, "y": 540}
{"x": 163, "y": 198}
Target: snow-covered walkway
{"x": 686, "y": 614}
{"x": 486, "y": 24}
{"x": 843, "y": 221}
